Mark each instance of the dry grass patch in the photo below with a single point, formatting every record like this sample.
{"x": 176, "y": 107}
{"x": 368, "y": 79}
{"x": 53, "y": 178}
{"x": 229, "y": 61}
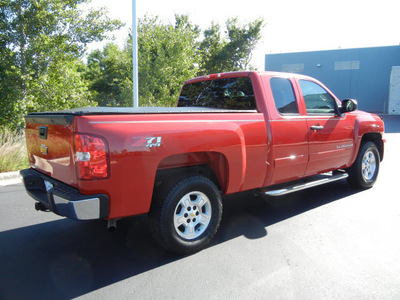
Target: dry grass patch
{"x": 13, "y": 154}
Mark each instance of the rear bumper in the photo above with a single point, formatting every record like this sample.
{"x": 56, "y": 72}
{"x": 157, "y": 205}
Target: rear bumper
{"x": 63, "y": 199}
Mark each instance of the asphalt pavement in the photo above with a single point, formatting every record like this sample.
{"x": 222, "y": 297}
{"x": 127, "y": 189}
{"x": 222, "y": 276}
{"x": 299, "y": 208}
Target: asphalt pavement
{"x": 329, "y": 242}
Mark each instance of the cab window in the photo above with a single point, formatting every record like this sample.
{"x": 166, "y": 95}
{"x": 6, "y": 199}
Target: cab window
{"x": 226, "y": 93}
{"x": 284, "y": 98}
{"x": 317, "y": 99}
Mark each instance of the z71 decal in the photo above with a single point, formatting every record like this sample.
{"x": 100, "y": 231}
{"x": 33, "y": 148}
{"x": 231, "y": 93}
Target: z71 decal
{"x": 146, "y": 142}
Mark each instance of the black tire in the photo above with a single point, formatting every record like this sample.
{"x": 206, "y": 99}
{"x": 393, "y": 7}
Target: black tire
{"x": 364, "y": 172}
{"x": 184, "y": 218}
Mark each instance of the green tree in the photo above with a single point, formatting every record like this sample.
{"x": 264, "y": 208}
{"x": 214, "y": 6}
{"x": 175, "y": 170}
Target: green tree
{"x": 168, "y": 55}
{"x": 62, "y": 86}
{"x": 233, "y": 52}
{"x": 110, "y": 75}
{"x": 40, "y": 45}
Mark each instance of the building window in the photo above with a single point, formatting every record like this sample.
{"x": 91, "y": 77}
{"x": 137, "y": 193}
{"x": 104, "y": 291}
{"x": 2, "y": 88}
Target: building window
{"x": 293, "y": 68}
{"x": 347, "y": 65}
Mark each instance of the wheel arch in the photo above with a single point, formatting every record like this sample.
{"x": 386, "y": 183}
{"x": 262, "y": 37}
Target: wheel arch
{"x": 212, "y": 165}
{"x": 376, "y": 138}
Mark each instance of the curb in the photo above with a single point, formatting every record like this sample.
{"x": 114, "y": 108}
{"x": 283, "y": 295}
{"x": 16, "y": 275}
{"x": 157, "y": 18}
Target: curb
{"x": 9, "y": 176}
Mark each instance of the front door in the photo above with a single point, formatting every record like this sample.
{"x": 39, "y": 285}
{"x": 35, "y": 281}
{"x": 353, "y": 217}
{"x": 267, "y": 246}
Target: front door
{"x": 331, "y": 137}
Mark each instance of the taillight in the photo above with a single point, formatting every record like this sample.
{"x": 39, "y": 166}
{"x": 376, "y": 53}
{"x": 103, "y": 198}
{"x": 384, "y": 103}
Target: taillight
{"x": 91, "y": 157}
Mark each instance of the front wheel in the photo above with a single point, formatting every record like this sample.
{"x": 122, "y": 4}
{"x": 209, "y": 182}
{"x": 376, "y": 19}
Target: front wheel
{"x": 185, "y": 218}
{"x": 365, "y": 169}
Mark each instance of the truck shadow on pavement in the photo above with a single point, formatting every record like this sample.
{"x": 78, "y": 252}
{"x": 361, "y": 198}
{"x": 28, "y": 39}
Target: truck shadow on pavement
{"x": 65, "y": 259}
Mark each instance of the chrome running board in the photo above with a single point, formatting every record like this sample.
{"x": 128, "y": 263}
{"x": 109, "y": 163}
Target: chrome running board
{"x": 283, "y": 190}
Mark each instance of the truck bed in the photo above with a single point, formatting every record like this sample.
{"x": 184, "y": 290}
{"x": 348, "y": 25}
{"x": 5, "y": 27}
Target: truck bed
{"x": 64, "y": 117}
{"x": 99, "y": 110}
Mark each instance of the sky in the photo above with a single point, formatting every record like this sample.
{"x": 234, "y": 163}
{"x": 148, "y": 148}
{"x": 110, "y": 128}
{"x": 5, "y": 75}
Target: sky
{"x": 291, "y": 25}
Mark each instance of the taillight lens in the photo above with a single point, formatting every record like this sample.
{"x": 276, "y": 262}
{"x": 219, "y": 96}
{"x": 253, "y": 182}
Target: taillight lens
{"x": 91, "y": 157}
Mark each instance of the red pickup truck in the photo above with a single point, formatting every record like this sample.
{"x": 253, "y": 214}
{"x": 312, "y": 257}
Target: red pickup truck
{"x": 273, "y": 133}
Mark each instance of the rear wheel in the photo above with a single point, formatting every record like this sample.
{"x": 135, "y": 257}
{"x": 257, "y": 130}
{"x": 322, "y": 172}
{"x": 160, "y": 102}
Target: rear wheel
{"x": 364, "y": 172}
{"x": 186, "y": 217}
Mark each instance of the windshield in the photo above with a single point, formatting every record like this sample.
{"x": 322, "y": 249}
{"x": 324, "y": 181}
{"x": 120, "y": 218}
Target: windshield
{"x": 226, "y": 93}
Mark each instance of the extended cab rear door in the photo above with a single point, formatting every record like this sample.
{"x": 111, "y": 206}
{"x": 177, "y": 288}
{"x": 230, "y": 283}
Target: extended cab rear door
{"x": 289, "y": 144}
{"x": 330, "y": 135}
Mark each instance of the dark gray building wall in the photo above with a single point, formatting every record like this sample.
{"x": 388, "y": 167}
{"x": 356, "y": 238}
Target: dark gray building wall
{"x": 362, "y": 74}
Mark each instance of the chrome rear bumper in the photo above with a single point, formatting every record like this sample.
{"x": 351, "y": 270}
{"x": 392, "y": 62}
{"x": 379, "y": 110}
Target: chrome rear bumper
{"x": 63, "y": 199}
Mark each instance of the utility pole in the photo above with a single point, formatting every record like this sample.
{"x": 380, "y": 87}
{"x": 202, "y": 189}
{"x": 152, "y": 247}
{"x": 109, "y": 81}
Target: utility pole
{"x": 135, "y": 57}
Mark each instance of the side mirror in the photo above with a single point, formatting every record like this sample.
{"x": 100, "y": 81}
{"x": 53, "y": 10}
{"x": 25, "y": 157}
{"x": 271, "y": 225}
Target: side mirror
{"x": 349, "y": 105}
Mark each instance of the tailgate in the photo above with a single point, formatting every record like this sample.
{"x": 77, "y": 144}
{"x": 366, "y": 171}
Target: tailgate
{"x": 50, "y": 145}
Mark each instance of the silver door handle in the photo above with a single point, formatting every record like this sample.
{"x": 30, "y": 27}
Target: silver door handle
{"x": 317, "y": 127}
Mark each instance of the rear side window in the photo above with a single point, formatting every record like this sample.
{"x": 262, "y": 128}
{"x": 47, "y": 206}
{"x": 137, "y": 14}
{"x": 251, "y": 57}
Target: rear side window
{"x": 225, "y": 93}
{"x": 316, "y": 98}
{"x": 284, "y": 98}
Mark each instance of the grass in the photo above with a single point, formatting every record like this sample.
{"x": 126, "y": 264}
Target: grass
{"x": 13, "y": 154}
